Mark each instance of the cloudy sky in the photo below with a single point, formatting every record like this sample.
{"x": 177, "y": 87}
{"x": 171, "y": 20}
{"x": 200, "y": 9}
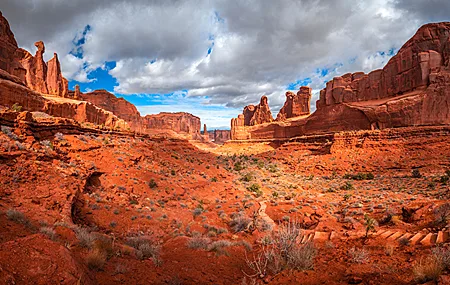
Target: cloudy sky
{"x": 211, "y": 58}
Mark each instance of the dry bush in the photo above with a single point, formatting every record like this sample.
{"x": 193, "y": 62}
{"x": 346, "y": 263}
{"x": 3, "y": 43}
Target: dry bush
{"x": 427, "y": 269}
{"x": 198, "y": 242}
{"x": 358, "y": 255}
{"x": 442, "y": 214}
{"x": 239, "y": 222}
{"x": 16, "y": 216}
{"x": 302, "y": 258}
{"x": 145, "y": 248}
{"x": 389, "y": 249}
{"x": 442, "y": 255}
{"x": 105, "y": 245}
{"x": 49, "y": 232}
{"x": 284, "y": 252}
{"x": 96, "y": 260}
{"x": 85, "y": 238}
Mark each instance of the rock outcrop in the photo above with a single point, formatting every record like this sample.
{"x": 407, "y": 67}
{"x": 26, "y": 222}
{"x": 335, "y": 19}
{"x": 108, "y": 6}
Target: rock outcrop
{"x": 56, "y": 83}
{"x": 413, "y": 89}
{"x": 220, "y": 136}
{"x": 36, "y": 67}
{"x": 180, "y": 122}
{"x": 259, "y": 114}
{"x": 118, "y": 106}
{"x": 9, "y": 53}
{"x": 296, "y": 104}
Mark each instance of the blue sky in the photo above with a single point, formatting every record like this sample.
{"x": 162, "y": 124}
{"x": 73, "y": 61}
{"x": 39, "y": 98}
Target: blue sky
{"x": 212, "y": 58}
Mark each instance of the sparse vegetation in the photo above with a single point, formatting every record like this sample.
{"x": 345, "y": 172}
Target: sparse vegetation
{"x": 360, "y": 176}
{"x": 416, "y": 173}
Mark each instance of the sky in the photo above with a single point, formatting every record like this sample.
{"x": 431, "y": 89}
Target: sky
{"x": 213, "y": 57}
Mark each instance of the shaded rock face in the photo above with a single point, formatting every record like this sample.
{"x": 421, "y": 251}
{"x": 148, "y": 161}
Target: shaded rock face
{"x": 12, "y": 93}
{"x": 259, "y": 114}
{"x": 118, "y": 106}
{"x": 9, "y": 53}
{"x": 178, "y": 122}
{"x": 296, "y": 104}
{"x": 219, "y": 136}
{"x": 413, "y": 89}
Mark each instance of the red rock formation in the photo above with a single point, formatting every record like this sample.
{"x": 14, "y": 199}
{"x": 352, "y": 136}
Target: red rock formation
{"x": 221, "y": 136}
{"x": 178, "y": 122}
{"x": 36, "y": 69}
{"x": 9, "y": 51}
{"x": 413, "y": 89}
{"x": 296, "y": 104}
{"x": 259, "y": 114}
{"x": 56, "y": 83}
{"x": 83, "y": 112}
{"x": 77, "y": 93}
{"x": 118, "y": 106}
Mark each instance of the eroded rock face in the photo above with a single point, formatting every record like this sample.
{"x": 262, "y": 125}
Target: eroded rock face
{"x": 83, "y": 112}
{"x": 413, "y": 89}
{"x": 56, "y": 83}
{"x": 259, "y": 114}
{"x": 9, "y": 51}
{"x": 296, "y": 104}
{"x": 118, "y": 106}
{"x": 221, "y": 136}
{"x": 178, "y": 122}
{"x": 36, "y": 67}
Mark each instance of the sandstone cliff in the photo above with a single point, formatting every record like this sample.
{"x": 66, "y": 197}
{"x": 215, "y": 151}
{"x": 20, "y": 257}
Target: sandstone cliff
{"x": 179, "y": 122}
{"x": 259, "y": 114}
{"x": 118, "y": 106}
{"x": 413, "y": 89}
{"x": 296, "y": 104}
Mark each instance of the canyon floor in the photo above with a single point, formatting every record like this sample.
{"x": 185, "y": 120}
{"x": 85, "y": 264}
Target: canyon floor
{"x": 95, "y": 207}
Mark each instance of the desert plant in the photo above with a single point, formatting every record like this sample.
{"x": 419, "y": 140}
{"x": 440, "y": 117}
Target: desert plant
{"x": 198, "y": 242}
{"x": 441, "y": 214}
{"x": 360, "y": 176}
{"x": 49, "y": 232}
{"x": 358, "y": 255}
{"x": 255, "y": 188}
{"x": 96, "y": 260}
{"x": 145, "y": 248}
{"x": 85, "y": 238}
{"x": 16, "y": 107}
{"x": 152, "y": 184}
{"x": 369, "y": 224}
{"x": 347, "y": 186}
{"x": 239, "y": 222}
{"x": 416, "y": 173}
{"x": 428, "y": 268}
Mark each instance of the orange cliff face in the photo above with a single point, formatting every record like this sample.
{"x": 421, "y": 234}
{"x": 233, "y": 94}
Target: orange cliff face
{"x": 296, "y": 104}
{"x": 25, "y": 78}
{"x": 178, "y": 122}
{"x": 413, "y": 89}
{"x": 118, "y": 106}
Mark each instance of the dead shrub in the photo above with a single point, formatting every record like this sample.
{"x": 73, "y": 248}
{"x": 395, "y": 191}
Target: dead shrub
{"x": 427, "y": 269}
{"x": 239, "y": 222}
{"x": 96, "y": 260}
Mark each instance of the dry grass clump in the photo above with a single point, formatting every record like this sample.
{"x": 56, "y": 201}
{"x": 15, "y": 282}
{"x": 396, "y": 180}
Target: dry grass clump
{"x": 429, "y": 268}
{"x": 85, "y": 238}
{"x": 283, "y": 252}
{"x": 49, "y": 232}
{"x": 145, "y": 248}
{"x": 239, "y": 222}
{"x": 358, "y": 255}
{"x": 198, "y": 242}
{"x": 96, "y": 259}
